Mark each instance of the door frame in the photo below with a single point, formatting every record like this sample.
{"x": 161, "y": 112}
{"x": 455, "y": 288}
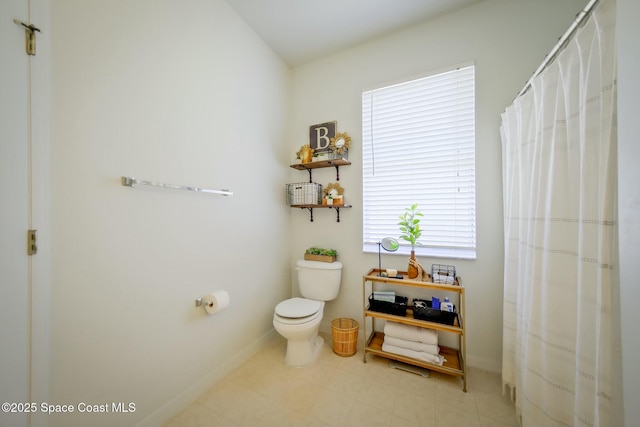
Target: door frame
{"x": 40, "y": 263}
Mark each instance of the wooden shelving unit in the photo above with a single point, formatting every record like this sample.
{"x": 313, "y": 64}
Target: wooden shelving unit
{"x": 317, "y": 165}
{"x": 455, "y": 363}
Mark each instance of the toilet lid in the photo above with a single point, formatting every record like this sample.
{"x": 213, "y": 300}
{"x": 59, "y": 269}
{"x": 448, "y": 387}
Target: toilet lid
{"x": 295, "y": 308}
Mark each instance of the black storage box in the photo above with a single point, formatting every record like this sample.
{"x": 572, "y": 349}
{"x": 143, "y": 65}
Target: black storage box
{"x": 399, "y": 308}
{"x": 423, "y": 311}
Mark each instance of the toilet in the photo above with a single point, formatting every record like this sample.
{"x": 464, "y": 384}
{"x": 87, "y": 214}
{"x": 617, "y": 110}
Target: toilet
{"x": 298, "y": 319}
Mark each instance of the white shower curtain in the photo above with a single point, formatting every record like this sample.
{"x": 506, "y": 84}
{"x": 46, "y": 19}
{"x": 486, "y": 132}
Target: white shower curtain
{"x": 561, "y": 345}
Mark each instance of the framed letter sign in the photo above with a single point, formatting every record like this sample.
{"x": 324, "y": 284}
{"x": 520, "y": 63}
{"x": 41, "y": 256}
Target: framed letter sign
{"x": 320, "y": 136}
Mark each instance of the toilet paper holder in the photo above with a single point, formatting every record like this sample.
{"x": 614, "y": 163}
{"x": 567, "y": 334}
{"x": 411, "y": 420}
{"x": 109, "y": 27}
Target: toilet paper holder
{"x": 213, "y": 302}
{"x": 200, "y": 302}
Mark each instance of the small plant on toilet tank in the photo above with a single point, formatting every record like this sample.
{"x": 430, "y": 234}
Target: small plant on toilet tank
{"x": 320, "y": 254}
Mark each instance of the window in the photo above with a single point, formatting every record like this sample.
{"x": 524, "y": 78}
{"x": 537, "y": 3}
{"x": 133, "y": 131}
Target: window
{"x": 419, "y": 147}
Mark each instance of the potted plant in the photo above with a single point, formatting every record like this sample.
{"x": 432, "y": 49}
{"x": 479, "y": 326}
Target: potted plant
{"x": 410, "y": 229}
{"x": 319, "y": 254}
{"x": 318, "y": 157}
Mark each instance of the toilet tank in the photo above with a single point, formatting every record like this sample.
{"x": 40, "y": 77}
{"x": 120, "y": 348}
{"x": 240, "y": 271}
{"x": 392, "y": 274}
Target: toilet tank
{"x": 319, "y": 280}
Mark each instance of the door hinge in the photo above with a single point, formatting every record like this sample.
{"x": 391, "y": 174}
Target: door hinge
{"x": 32, "y": 242}
{"x": 30, "y": 36}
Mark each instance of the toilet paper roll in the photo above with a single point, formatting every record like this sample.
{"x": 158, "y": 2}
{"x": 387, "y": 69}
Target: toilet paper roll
{"x": 216, "y": 301}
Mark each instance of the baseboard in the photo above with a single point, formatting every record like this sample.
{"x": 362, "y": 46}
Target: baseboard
{"x": 185, "y": 398}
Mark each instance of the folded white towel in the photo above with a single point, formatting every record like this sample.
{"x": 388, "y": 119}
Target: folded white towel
{"x": 419, "y": 355}
{"x": 411, "y": 333}
{"x": 385, "y": 293}
{"x": 384, "y": 296}
{"x": 412, "y": 345}
{"x": 443, "y": 278}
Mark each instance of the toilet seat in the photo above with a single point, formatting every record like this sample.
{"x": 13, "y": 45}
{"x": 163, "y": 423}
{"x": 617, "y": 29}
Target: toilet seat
{"x": 297, "y": 310}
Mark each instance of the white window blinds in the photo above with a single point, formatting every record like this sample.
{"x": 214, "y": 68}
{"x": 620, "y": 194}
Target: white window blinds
{"x": 419, "y": 147}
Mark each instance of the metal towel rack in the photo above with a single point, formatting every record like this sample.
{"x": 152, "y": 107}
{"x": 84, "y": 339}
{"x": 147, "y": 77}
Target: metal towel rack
{"x": 132, "y": 182}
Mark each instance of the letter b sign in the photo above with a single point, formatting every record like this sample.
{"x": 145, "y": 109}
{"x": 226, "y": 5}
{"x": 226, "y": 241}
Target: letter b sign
{"x": 320, "y": 136}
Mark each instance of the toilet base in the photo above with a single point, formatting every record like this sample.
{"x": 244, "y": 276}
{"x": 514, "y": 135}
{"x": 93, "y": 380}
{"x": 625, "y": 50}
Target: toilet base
{"x": 303, "y": 352}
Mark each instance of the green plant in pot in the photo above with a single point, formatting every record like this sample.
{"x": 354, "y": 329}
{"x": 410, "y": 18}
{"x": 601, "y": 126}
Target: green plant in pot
{"x": 410, "y": 229}
{"x": 320, "y": 254}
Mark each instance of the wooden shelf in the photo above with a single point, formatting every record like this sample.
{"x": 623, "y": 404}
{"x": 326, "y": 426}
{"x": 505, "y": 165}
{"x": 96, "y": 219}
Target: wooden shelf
{"x": 320, "y": 164}
{"x": 372, "y": 275}
{"x": 410, "y": 320}
{"x": 451, "y": 366}
{"x": 312, "y": 207}
{"x": 316, "y": 165}
{"x": 320, "y": 206}
{"x": 455, "y": 364}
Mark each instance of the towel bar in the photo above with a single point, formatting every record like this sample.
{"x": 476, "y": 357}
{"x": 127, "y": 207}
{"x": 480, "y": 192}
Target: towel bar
{"x": 131, "y": 182}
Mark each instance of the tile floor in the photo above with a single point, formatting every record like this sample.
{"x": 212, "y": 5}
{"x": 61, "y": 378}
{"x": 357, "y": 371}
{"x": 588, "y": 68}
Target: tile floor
{"x": 344, "y": 391}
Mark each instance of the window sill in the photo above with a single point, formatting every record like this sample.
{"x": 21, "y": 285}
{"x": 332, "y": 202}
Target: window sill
{"x": 469, "y": 254}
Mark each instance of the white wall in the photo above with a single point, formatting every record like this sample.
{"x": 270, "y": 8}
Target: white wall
{"x": 629, "y": 200}
{"x": 177, "y": 92}
{"x": 190, "y": 95}
{"x": 507, "y": 40}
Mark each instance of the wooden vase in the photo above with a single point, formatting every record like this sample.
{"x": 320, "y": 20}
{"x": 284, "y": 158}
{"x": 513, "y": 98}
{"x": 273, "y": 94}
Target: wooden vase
{"x": 412, "y": 271}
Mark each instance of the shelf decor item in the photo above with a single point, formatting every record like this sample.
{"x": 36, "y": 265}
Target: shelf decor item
{"x": 333, "y": 195}
{"x": 410, "y": 229}
{"x": 319, "y": 254}
{"x": 422, "y": 310}
{"x": 320, "y": 136}
{"x": 304, "y": 193}
{"x": 390, "y": 245}
{"x": 340, "y": 145}
{"x": 443, "y": 273}
{"x": 320, "y": 157}
{"x": 305, "y": 154}
{"x": 398, "y": 307}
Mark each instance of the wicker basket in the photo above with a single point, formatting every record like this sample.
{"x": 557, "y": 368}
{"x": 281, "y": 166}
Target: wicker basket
{"x": 304, "y": 193}
{"x": 345, "y": 336}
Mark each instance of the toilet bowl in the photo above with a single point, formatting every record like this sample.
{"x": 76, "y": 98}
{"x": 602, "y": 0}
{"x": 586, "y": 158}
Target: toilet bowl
{"x": 298, "y": 319}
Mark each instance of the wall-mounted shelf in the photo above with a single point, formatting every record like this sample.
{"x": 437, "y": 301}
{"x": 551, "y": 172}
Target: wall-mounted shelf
{"x": 312, "y": 207}
{"x": 322, "y": 164}
{"x": 317, "y": 165}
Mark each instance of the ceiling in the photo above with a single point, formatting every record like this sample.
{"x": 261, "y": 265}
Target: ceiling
{"x": 303, "y": 30}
